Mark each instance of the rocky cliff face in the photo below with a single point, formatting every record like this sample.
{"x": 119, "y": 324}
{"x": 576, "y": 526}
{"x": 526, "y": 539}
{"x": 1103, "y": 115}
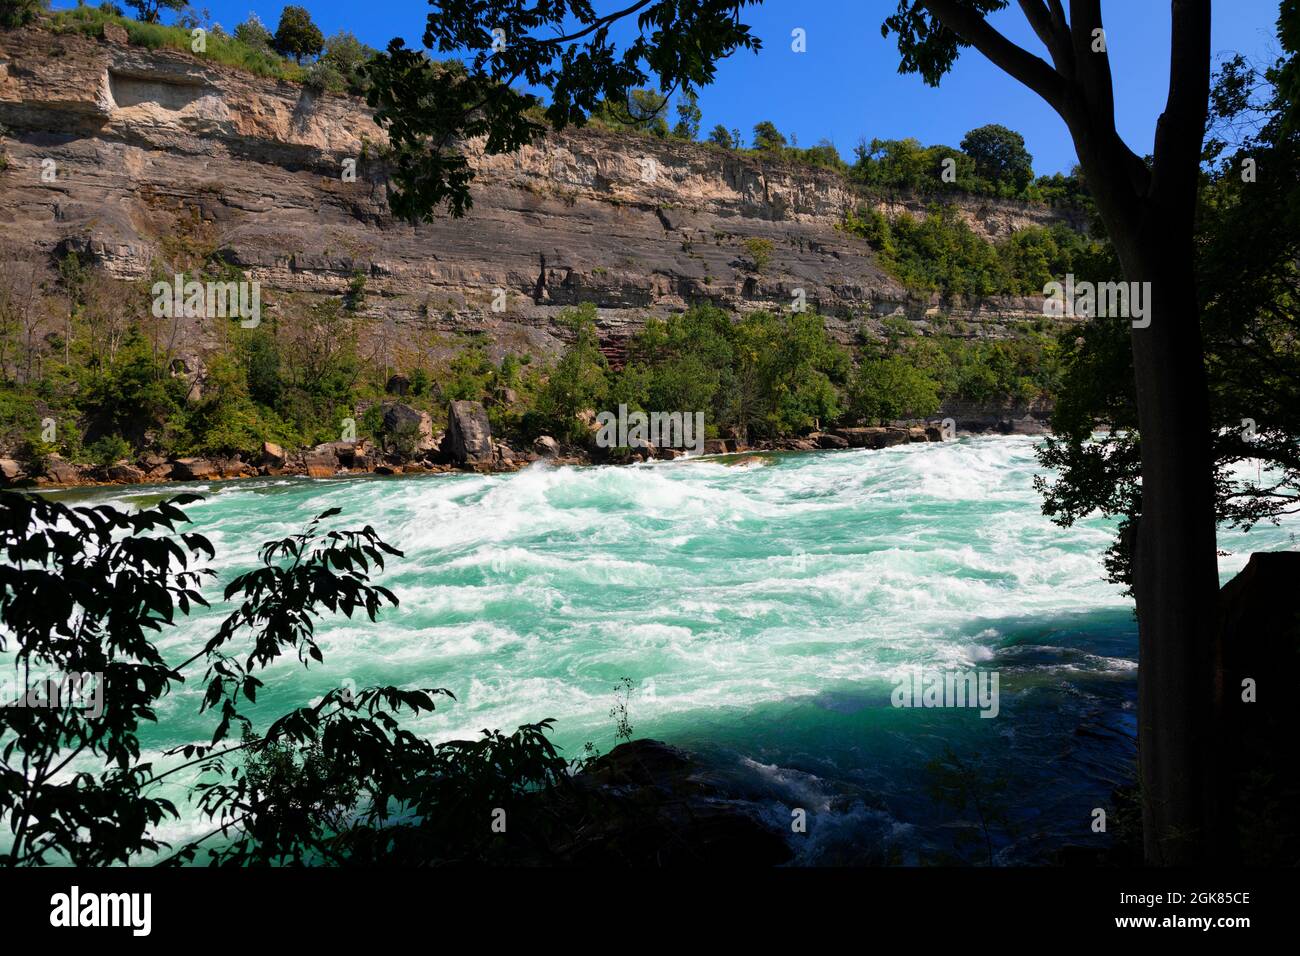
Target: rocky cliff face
{"x": 149, "y": 144}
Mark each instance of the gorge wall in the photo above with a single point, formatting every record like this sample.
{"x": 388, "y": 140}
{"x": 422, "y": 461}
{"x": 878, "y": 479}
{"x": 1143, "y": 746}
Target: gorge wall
{"x": 147, "y": 144}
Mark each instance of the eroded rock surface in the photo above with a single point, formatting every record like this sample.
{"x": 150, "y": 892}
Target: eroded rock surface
{"x": 150, "y": 144}
{"x": 469, "y": 435}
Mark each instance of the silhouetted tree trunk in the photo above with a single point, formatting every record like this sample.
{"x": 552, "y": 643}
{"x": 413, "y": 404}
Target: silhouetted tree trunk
{"x": 1149, "y": 214}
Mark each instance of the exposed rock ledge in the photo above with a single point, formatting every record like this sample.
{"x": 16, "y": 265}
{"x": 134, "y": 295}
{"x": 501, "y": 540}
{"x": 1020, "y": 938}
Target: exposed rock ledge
{"x": 148, "y": 143}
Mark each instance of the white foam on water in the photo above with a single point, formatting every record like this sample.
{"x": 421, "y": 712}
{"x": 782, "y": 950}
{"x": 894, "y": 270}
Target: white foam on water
{"x": 530, "y": 595}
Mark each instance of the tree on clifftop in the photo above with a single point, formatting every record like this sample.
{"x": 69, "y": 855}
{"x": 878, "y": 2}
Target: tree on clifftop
{"x": 999, "y": 155}
{"x": 254, "y": 33}
{"x": 297, "y": 36}
{"x": 720, "y": 137}
{"x": 1147, "y": 209}
{"x": 767, "y": 137}
{"x": 148, "y": 11}
{"x": 688, "y": 117}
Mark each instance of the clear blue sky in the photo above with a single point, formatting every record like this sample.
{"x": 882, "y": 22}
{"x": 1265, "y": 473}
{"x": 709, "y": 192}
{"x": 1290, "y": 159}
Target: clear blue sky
{"x": 846, "y": 85}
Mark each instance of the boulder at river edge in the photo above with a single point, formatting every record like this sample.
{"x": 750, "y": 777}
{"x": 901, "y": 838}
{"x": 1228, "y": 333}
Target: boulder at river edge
{"x": 546, "y": 446}
{"x": 61, "y": 472}
{"x": 273, "y": 456}
{"x": 399, "y": 417}
{"x": 469, "y": 436}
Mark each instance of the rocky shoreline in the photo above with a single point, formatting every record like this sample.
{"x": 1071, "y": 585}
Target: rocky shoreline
{"x": 467, "y": 445}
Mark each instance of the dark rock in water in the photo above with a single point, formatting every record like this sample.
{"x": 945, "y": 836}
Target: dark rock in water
{"x": 738, "y": 434}
{"x": 469, "y": 436}
{"x": 645, "y": 803}
{"x": 640, "y": 763}
{"x": 653, "y": 808}
{"x": 827, "y": 440}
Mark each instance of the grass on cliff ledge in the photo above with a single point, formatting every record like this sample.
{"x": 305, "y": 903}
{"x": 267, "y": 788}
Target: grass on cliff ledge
{"x": 221, "y": 47}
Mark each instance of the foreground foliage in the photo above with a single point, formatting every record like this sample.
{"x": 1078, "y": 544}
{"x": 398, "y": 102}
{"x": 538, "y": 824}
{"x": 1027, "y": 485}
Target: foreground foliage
{"x": 94, "y": 591}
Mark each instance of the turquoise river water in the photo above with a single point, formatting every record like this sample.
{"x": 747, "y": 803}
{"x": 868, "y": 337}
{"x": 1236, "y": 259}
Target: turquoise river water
{"x": 764, "y": 612}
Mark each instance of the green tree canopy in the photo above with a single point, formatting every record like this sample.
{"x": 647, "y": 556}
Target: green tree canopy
{"x": 254, "y": 33}
{"x": 297, "y": 35}
{"x": 883, "y": 389}
{"x": 688, "y": 117}
{"x": 347, "y": 55}
{"x": 768, "y": 138}
{"x": 149, "y": 11}
{"x": 578, "y": 381}
{"x": 1000, "y": 155}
